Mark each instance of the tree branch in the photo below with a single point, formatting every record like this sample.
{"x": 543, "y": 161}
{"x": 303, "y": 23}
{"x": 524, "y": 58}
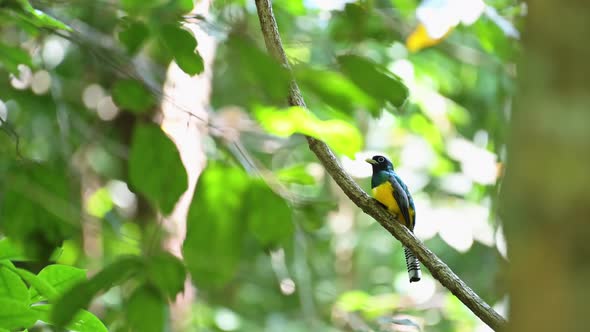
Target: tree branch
{"x": 437, "y": 268}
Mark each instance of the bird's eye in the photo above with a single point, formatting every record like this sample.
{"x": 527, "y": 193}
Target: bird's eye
{"x": 380, "y": 159}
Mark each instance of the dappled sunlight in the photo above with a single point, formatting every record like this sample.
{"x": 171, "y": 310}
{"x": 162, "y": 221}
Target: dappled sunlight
{"x": 106, "y": 108}
{"x": 3, "y": 111}
{"x": 477, "y": 163}
{"x": 54, "y": 51}
{"x": 92, "y": 95}
{"x": 40, "y": 82}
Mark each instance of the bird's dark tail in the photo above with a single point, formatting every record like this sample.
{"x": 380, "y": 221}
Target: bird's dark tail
{"x": 413, "y": 265}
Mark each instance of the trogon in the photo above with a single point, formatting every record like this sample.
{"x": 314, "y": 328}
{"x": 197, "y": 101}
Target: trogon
{"x": 392, "y": 192}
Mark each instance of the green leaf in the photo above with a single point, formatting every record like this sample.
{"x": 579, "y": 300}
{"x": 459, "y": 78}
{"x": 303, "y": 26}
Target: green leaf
{"x": 60, "y": 278}
{"x": 84, "y": 321}
{"x": 190, "y": 63}
{"x": 182, "y": 44}
{"x": 178, "y": 39}
{"x": 12, "y": 286}
{"x": 215, "y": 227}
{"x": 146, "y": 310}
{"x": 37, "y": 207}
{"x": 184, "y": 6}
{"x": 272, "y": 225}
{"x": 11, "y": 250}
{"x": 45, "y": 21}
{"x": 80, "y": 295}
{"x": 132, "y": 95}
{"x": 374, "y": 79}
{"x": 40, "y": 285}
{"x": 42, "y": 20}
{"x": 99, "y": 203}
{"x": 343, "y": 137}
{"x": 258, "y": 69}
{"x": 335, "y": 90}
{"x": 11, "y": 57}
{"x": 167, "y": 273}
{"x": 16, "y": 314}
{"x": 133, "y": 35}
{"x": 152, "y": 161}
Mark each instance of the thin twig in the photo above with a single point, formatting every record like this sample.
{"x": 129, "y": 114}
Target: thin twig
{"x": 437, "y": 268}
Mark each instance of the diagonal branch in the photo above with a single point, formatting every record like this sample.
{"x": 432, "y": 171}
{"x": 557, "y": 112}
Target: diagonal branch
{"x": 437, "y": 268}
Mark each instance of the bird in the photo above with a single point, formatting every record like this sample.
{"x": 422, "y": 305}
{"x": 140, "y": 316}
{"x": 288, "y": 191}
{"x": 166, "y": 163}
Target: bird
{"x": 389, "y": 190}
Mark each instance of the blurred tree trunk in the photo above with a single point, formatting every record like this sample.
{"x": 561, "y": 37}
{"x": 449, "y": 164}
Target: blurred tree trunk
{"x": 187, "y": 94}
{"x": 547, "y": 186}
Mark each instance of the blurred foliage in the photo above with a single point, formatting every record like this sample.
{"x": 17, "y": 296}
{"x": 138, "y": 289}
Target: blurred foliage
{"x": 86, "y": 176}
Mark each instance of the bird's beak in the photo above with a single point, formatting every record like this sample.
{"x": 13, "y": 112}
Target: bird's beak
{"x": 371, "y": 161}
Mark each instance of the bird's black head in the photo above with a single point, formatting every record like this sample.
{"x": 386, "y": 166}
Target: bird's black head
{"x": 380, "y": 163}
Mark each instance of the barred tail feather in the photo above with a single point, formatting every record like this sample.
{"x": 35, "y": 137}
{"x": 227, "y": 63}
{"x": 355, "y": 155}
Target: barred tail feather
{"x": 413, "y": 265}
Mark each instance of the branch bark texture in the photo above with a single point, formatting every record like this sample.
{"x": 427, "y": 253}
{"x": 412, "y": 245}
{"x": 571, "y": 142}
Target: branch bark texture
{"x": 437, "y": 268}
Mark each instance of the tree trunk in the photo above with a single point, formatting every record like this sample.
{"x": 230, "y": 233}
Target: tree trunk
{"x": 547, "y": 187}
{"x": 185, "y": 94}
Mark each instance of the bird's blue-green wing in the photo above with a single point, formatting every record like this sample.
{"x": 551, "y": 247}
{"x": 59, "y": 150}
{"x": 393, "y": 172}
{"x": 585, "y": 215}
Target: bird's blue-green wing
{"x": 410, "y": 201}
{"x": 401, "y": 197}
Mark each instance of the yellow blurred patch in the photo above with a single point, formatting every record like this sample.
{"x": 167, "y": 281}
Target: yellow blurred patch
{"x": 420, "y": 39}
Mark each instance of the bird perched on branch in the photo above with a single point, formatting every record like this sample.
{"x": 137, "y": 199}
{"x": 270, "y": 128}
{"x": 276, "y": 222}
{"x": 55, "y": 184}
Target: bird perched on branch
{"x": 391, "y": 192}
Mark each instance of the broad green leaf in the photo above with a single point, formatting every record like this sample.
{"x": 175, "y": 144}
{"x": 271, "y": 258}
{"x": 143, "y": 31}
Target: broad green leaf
{"x": 11, "y": 250}
{"x": 132, "y": 95}
{"x": 146, "y": 310}
{"x": 190, "y": 63}
{"x": 374, "y": 80}
{"x": 182, "y": 44}
{"x": 12, "y": 286}
{"x": 167, "y": 273}
{"x": 59, "y": 277}
{"x": 84, "y": 321}
{"x": 79, "y": 296}
{"x": 12, "y": 56}
{"x": 343, "y": 137}
{"x": 335, "y": 90}
{"x": 255, "y": 67}
{"x": 272, "y": 225}
{"x": 215, "y": 226}
{"x": 40, "y": 285}
{"x": 15, "y": 314}
{"x": 155, "y": 168}
{"x": 133, "y": 35}
{"x": 178, "y": 39}
{"x": 37, "y": 207}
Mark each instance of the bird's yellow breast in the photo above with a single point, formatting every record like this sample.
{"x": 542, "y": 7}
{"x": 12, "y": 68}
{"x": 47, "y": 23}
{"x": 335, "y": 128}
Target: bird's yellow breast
{"x": 384, "y": 194}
